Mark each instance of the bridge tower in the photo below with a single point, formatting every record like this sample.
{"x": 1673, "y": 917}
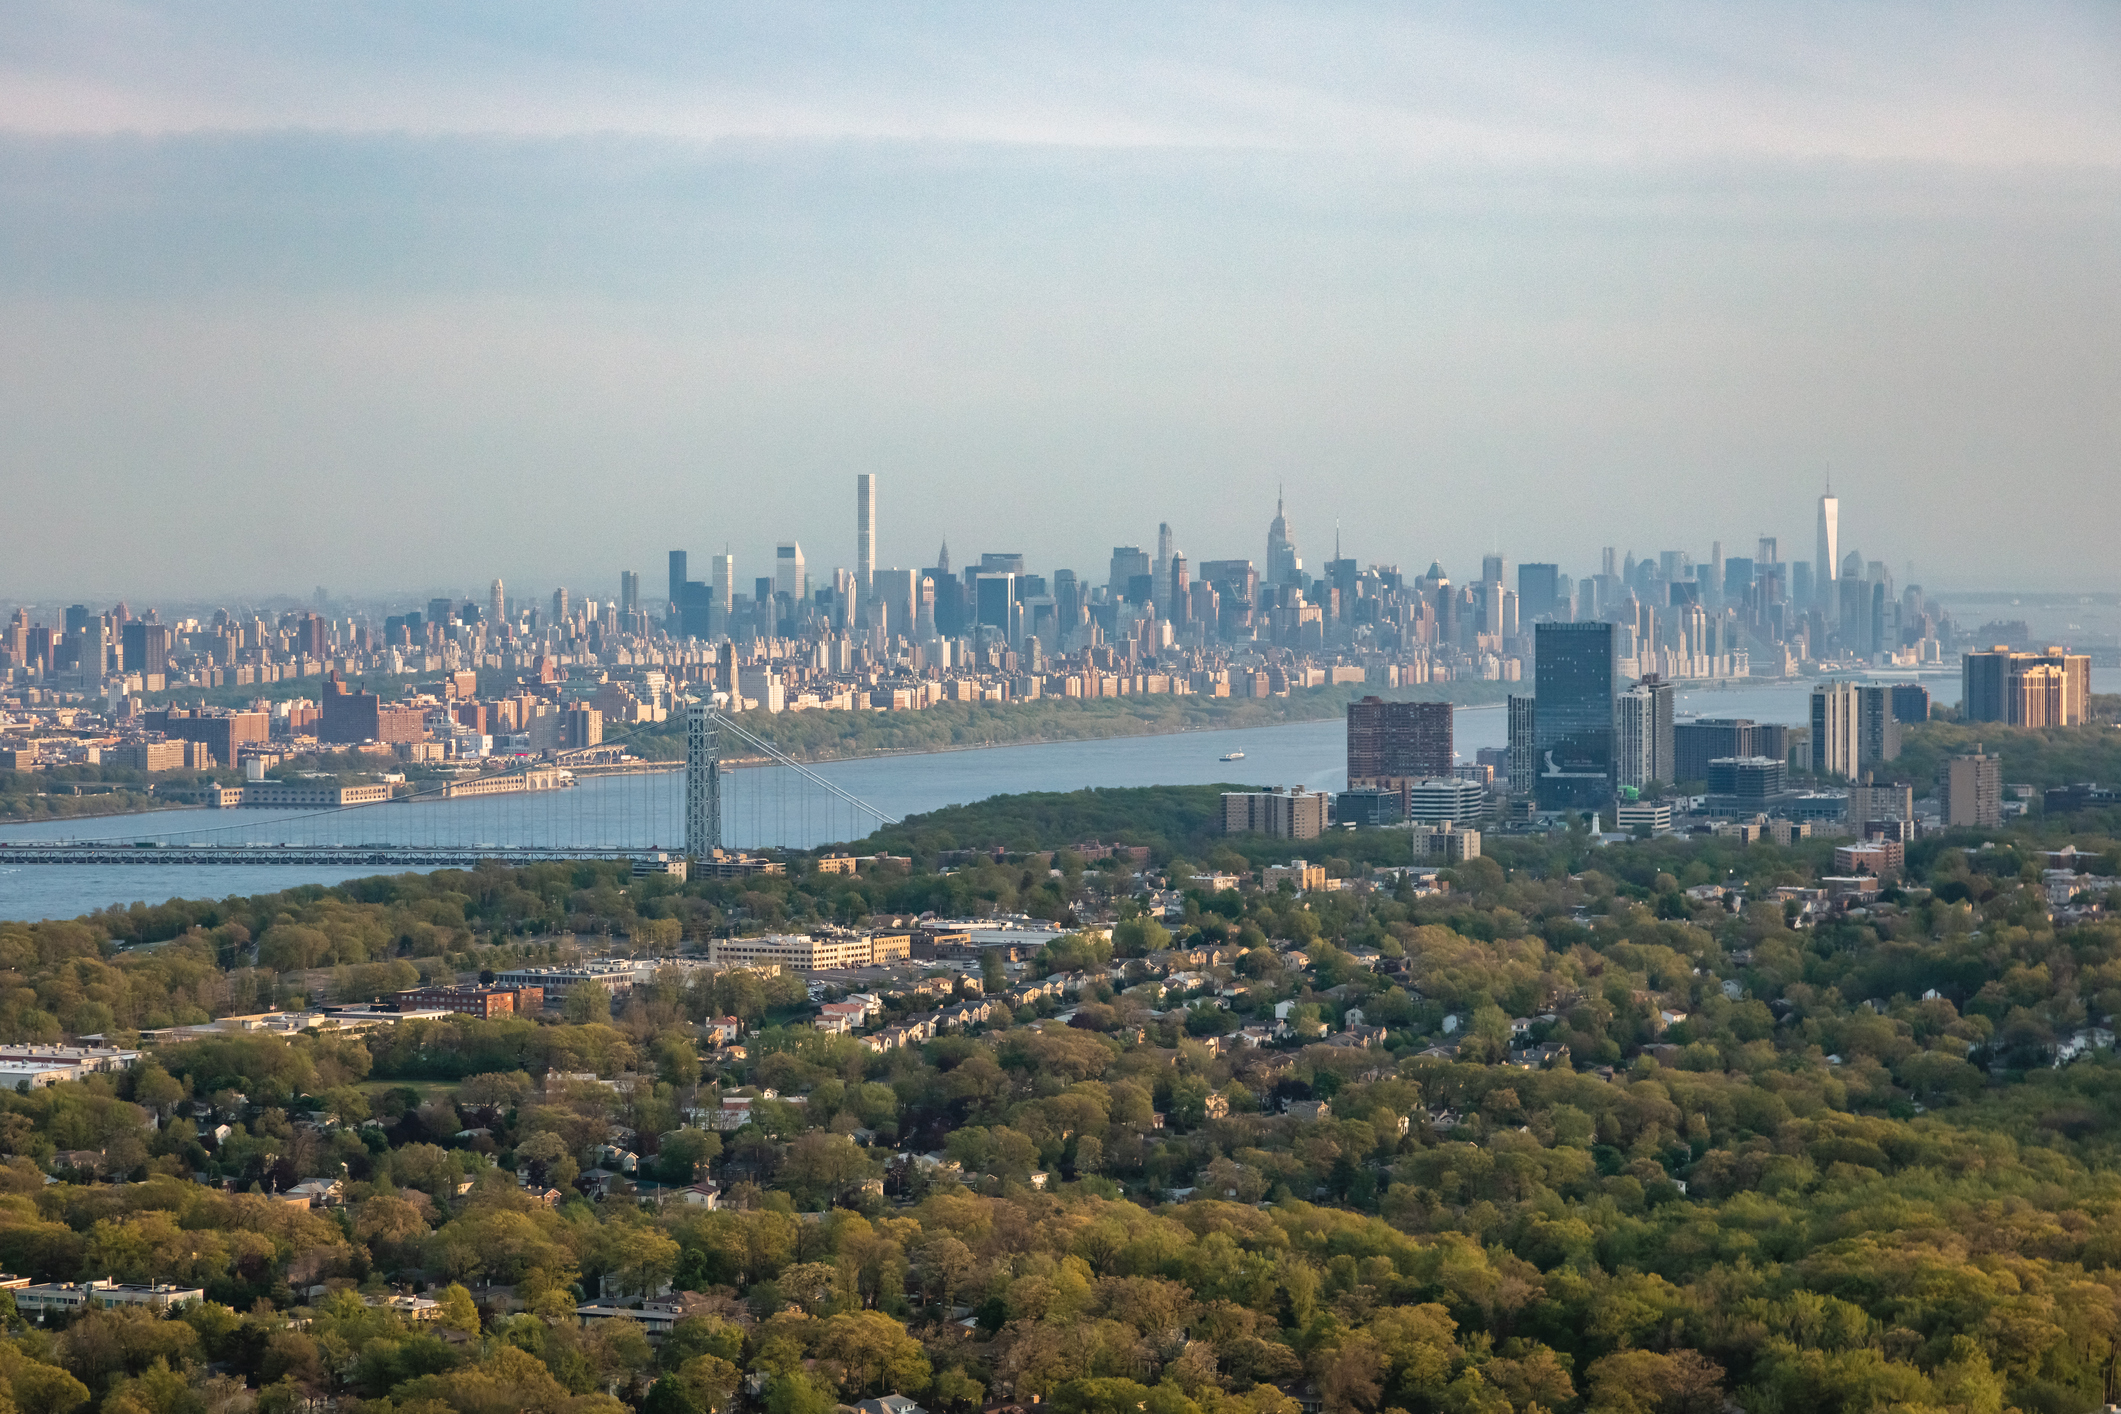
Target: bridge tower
{"x": 703, "y": 782}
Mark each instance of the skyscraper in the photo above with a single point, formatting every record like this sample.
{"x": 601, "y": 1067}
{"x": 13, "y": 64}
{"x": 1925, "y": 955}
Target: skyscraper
{"x": 1537, "y": 590}
{"x": 2047, "y": 689}
{"x": 1390, "y": 743}
{"x": 1283, "y": 566}
{"x": 1162, "y": 567}
{"x": 496, "y": 604}
{"x": 1127, "y": 562}
{"x": 1837, "y": 729}
{"x": 1827, "y": 561}
{"x": 1524, "y": 745}
{"x": 559, "y": 606}
{"x": 788, "y": 576}
{"x": 864, "y": 531}
{"x": 1644, "y": 719}
{"x": 677, "y": 576}
{"x": 629, "y": 591}
{"x": 1573, "y": 721}
{"x": 724, "y": 598}
{"x": 1714, "y": 595}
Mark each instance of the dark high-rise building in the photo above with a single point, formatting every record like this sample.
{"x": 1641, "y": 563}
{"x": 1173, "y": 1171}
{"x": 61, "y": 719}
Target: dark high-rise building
{"x": 1398, "y": 741}
{"x": 1911, "y": 702}
{"x": 1067, "y": 599}
{"x": 1538, "y": 589}
{"x": 1524, "y": 748}
{"x": 996, "y": 598}
{"x": 695, "y": 602}
{"x": 1695, "y": 744}
{"x": 677, "y": 577}
{"x": 1877, "y": 727}
{"x": 1737, "y": 579}
{"x": 1574, "y": 723}
{"x": 949, "y": 598}
{"x": 1127, "y": 562}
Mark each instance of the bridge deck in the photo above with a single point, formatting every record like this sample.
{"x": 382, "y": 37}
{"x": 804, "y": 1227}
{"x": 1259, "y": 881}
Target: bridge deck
{"x": 426, "y": 856}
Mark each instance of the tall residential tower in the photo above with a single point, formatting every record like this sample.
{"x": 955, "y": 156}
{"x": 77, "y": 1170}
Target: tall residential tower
{"x": 864, "y": 532}
{"x": 1827, "y": 560}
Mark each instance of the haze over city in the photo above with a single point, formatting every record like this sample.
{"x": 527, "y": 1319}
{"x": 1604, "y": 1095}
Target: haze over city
{"x": 396, "y": 301}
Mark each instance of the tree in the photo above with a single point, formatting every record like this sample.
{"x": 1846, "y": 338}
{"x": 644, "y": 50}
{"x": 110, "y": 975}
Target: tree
{"x": 1138, "y": 937}
{"x": 682, "y": 1154}
{"x": 1645, "y": 1382}
{"x": 874, "y": 1353}
{"x": 639, "y": 1259}
{"x": 459, "y": 1311}
{"x": 797, "y": 1393}
{"x": 345, "y": 1104}
{"x": 953, "y": 1389}
{"x": 157, "y": 1089}
{"x": 587, "y": 1002}
{"x": 711, "y": 1380}
{"x": 669, "y": 1395}
{"x": 819, "y": 1165}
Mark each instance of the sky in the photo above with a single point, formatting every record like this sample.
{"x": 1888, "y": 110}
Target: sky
{"x": 397, "y": 298}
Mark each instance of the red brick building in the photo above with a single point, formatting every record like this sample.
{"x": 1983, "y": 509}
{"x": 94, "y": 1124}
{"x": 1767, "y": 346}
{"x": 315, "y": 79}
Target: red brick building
{"x": 486, "y": 1003}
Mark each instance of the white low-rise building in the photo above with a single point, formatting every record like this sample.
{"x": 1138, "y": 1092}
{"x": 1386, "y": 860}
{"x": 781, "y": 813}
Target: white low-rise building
{"x": 40, "y": 1066}
{"x": 47, "y": 1297}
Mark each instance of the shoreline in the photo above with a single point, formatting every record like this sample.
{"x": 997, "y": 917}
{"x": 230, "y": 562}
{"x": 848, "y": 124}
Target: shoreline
{"x": 894, "y": 752}
{"x": 664, "y": 765}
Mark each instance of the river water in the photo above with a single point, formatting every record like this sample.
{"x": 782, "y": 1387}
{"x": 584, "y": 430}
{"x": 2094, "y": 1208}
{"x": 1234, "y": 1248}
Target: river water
{"x": 761, "y": 807}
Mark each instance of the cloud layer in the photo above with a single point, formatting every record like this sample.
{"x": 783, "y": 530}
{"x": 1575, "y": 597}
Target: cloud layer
{"x": 399, "y": 301}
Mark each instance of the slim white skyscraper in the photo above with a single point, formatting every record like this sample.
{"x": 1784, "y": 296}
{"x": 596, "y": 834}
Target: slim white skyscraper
{"x": 788, "y": 576}
{"x": 724, "y": 581}
{"x": 864, "y": 531}
{"x": 496, "y": 604}
{"x": 1161, "y": 567}
{"x": 1826, "y": 564}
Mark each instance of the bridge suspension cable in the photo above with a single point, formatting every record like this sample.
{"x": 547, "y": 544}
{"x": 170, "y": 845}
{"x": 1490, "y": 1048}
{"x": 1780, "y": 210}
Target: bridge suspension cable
{"x": 782, "y": 758}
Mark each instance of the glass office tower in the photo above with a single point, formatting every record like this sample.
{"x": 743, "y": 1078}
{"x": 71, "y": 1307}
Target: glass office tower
{"x": 1573, "y": 717}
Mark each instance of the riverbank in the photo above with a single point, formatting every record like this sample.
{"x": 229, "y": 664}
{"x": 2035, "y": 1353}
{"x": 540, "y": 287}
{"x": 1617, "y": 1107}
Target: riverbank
{"x": 34, "y": 809}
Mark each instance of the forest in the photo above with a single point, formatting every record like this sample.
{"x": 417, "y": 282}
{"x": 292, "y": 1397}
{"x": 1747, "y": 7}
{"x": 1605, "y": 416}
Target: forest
{"x": 1618, "y": 1129}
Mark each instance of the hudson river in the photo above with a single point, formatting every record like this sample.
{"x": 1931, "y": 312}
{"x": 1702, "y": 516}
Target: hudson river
{"x": 760, "y": 806}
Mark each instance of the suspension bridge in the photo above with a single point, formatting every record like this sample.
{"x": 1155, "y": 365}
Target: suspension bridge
{"x": 651, "y": 810}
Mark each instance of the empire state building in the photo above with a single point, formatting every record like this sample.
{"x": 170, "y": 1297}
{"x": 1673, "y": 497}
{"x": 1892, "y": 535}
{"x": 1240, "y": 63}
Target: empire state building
{"x": 1283, "y": 566}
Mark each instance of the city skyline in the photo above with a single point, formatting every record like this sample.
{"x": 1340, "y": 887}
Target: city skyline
{"x": 872, "y": 532}
{"x": 485, "y": 292}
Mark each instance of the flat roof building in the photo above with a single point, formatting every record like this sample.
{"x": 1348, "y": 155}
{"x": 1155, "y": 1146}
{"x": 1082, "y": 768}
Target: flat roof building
{"x": 805, "y": 952}
{"x": 1573, "y": 717}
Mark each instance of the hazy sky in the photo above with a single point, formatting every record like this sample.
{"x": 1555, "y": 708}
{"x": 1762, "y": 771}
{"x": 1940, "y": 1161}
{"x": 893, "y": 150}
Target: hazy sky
{"x": 400, "y": 297}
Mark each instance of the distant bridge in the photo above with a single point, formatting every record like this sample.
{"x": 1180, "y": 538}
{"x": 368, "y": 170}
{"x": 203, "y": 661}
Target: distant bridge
{"x": 468, "y": 821}
{"x": 326, "y": 855}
